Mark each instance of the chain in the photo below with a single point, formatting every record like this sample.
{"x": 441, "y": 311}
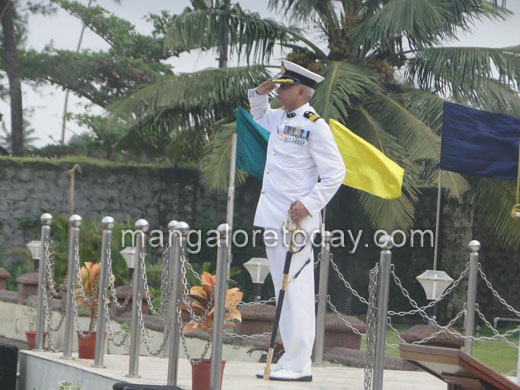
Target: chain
{"x": 497, "y": 334}
{"x": 266, "y": 302}
{"x": 145, "y": 335}
{"x": 190, "y": 267}
{"x": 184, "y": 345}
{"x": 49, "y": 255}
{"x": 185, "y": 298}
{"x": 161, "y": 310}
{"x": 83, "y": 334}
{"x": 248, "y": 337}
{"x": 432, "y": 303}
{"x": 345, "y": 282}
{"x": 166, "y": 289}
{"x": 48, "y": 318}
{"x": 48, "y": 284}
{"x": 371, "y": 327}
{"x": 340, "y": 316}
{"x": 78, "y": 276}
{"x": 442, "y": 329}
{"x": 425, "y": 316}
{"x": 112, "y": 285}
{"x": 495, "y": 292}
{"x": 111, "y": 336}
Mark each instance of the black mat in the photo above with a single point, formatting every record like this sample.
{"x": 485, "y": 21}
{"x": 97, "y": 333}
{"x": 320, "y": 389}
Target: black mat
{"x": 133, "y": 386}
{"x": 8, "y": 363}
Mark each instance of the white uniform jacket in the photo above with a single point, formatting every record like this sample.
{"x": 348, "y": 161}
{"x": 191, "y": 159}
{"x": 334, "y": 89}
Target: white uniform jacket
{"x": 299, "y": 151}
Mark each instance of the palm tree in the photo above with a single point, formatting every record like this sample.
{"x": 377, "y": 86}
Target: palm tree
{"x": 386, "y": 78}
{"x": 179, "y": 114}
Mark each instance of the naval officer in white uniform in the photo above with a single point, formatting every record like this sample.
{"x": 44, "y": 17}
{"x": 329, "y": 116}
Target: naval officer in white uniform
{"x": 301, "y": 149}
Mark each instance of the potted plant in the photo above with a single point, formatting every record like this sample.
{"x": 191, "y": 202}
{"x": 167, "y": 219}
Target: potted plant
{"x": 88, "y": 299}
{"x": 30, "y": 312}
{"x": 202, "y": 303}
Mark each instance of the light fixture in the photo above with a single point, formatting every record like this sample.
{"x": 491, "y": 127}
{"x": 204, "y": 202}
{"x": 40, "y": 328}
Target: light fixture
{"x": 434, "y": 283}
{"x": 130, "y": 256}
{"x": 35, "y": 247}
{"x": 258, "y": 268}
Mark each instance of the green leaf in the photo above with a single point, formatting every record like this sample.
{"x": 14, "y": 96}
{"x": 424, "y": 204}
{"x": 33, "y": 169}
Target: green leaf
{"x": 495, "y": 199}
{"x": 419, "y": 140}
{"x": 246, "y": 33}
{"x": 216, "y": 163}
{"x": 450, "y": 70}
{"x": 344, "y": 85}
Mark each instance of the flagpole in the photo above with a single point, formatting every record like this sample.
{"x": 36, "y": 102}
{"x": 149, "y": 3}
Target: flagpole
{"x": 231, "y": 191}
{"x": 437, "y": 222}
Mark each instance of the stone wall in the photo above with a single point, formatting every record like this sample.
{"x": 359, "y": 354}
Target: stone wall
{"x": 29, "y": 188}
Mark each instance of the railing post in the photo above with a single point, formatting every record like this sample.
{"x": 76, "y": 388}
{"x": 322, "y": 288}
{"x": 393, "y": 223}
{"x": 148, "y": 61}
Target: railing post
{"x": 322, "y": 299}
{"x": 224, "y": 231}
{"x": 172, "y": 231}
{"x": 46, "y": 220}
{"x": 108, "y": 224}
{"x": 68, "y": 330}
{"x": 469, "y": 321}
{"x": 386, "y": 243}
{"x": 179, "y": 231}
{"x": 133, "y": 371}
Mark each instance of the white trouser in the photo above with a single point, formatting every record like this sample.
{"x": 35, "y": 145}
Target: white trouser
{"x": 297, "y": 322}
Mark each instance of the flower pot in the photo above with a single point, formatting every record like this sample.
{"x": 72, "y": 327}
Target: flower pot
{"x": 31, "y": 338}
{"x": 201, "y": 372}
{"x": 86, "y": 345}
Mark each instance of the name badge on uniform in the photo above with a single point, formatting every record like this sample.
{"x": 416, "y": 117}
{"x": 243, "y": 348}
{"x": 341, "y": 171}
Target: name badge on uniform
{"x": 295, "y": 134}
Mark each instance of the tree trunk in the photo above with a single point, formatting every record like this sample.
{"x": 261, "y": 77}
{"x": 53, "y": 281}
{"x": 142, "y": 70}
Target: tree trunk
{"x": 223, "y": 49}
{"x": 14, "y": 76}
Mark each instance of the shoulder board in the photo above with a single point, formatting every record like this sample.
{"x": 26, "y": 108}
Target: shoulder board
{"x": 312, "y": 116}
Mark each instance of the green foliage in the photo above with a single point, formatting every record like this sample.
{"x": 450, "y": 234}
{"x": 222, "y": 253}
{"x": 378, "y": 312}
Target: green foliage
{"x": 176, "y": 116}
{"x": 89, "y": 246}
{"x": 19, "y": 264}
{"x": 400, "y": 116}
{"x": 66, "y": 385}
{"x": 246, "y": 33}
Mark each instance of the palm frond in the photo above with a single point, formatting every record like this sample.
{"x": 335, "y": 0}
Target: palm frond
{"x": 246, "y": 33}
{"x": 420, "y": 22}
{"x": 429, "y": 109}
{"x": 383, "y": 213}
{"x": 419, "y": 140}
{"x": 491, "y": 95}
{"x": 494, "y": 200}
{"x": 216, "y": 162}
{"x": 344, "y": 85}
{"x": 388, "y": 214}
{"x": 304, "y": 10}
{"x": 217, "y": 92}
{"x": 449, "y": 69}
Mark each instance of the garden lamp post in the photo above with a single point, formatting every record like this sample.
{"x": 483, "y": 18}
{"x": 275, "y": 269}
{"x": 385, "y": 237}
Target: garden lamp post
{"x": 258, "y": 268}
{"x": 34, "y": 247}
{"x": 130, "y": 256}
{"x": 434, "y": 283}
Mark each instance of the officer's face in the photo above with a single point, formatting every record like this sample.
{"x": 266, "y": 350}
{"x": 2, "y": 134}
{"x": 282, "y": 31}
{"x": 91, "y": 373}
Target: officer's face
{"x": 287, "y": 94}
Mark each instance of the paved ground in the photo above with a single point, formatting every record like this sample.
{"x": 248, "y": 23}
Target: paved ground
{"x": 241, "y": 375}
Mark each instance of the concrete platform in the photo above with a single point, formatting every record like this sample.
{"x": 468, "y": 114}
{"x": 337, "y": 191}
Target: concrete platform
{"x": 43, "y": 370}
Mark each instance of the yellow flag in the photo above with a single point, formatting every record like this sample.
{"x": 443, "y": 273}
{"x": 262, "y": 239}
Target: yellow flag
{"x": 368, "y": 169}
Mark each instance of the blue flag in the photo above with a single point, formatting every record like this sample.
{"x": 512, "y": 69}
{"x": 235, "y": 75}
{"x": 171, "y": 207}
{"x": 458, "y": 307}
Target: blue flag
{"x": 479, "y": 143}
{"x": 251, "y": 144}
